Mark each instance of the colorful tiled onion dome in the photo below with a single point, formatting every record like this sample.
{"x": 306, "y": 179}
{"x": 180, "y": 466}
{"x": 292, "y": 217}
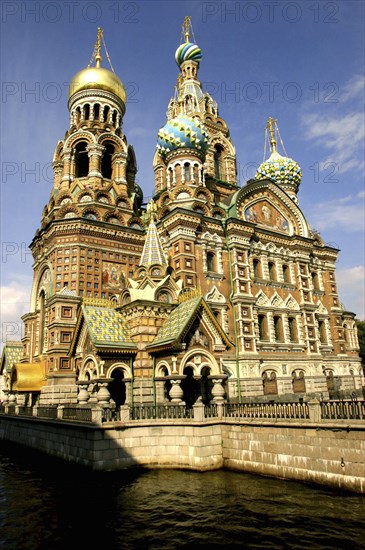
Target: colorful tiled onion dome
{"x": 282, "y": 170}
{"x": 182, "y": 132}
{"x": 188, "y": 52}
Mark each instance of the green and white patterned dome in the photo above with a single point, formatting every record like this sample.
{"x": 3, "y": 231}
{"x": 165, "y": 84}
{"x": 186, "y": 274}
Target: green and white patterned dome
{"x": 182, "y": 132}
{"x": 282, "y": 170}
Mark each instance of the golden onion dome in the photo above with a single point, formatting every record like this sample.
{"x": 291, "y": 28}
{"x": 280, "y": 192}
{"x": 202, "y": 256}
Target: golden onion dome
{"x": 97, "y": 78}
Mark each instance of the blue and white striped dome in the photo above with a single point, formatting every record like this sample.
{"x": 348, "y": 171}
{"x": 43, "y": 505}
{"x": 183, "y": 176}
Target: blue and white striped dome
{"x": 188, "y": 52}
{"x": 182, "y": 132}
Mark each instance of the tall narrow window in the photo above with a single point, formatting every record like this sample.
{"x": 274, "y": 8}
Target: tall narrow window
{"x": 278, "y": 325}
{"x": 187, "y": 171}
{"x": 96, "y": 111}
{"x": 322, "y": 332}
{"x": 315, "y": 281}
{"x": 106, "y": 162}
{"x": 293, "y": 329}
{"x": 87, "y": 111}
{"x": 218, "y": 162}
{"x": 81, "y": 160}
{"x": 210, "y": 261}
{"x": 286, "y": 273}
{"x": 272, "y": 271}
{"x": 263, "y": 332}
{"x": 256, "y": 268}
{"x": 106, "y": 113}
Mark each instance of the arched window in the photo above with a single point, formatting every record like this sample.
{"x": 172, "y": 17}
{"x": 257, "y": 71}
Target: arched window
{"x": 106, "y": 113}
{"x": 298, "y": 381}
{"x": 187, "y": 175}
{"x": 114, "y": 117}
{"x": 269, "y": 383}
{"x": 218, "y": 162}
{"x": 87, "y": 111}
{"x": 81, "y": 160}
{"x": 96, "y": 111}
{"x": 106, "y": 162}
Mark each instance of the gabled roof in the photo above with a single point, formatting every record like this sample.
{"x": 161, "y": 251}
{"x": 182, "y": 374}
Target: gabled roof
{"x": 179, "y": 322}
{"x": 106, "y": 327}
{"x": 12, "y": 353}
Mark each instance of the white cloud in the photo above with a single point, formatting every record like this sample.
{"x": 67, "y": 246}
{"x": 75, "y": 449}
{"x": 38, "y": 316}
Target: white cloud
{"x": 14, "y": 299}
{"x": 346, "y": 213}
{"x": 351, "y": 287}
{"x": 354, "y": 88}
{"x": 342, "y": 136}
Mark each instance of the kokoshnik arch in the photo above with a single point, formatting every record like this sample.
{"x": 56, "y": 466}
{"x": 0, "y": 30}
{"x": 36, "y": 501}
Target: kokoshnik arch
{"x": 213, "y": 292}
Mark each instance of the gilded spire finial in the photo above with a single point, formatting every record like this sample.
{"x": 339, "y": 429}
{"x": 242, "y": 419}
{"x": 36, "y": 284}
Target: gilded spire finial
{"x": 271, "y": 127}
{"x": 186, "y": 27}
{"x": 97, "y": 47}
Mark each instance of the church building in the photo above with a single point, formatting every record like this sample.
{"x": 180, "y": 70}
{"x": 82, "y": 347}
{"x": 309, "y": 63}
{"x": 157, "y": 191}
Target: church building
{"x": 211, "y": 291}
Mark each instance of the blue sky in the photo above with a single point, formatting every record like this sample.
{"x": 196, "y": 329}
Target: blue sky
{"x": 301, "y": 62}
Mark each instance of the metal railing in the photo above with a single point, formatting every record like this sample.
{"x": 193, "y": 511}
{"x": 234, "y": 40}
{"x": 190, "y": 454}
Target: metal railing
{"x": 25, "y": 411}
{"x": 266, "y": 410}
{"x": 343, "y": 410}
{"x": 47, "y": 412}
{"x": 147, "y": 412}
{"x": 211, "y": 410}
{"x": 77, "y": 413}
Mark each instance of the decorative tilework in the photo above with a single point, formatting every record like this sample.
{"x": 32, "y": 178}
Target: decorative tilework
{"x": 12, "y": 353}
{"x": 107, "y": 327}
{"x": 152, "y": 250}
{"x": 174, "y": 326}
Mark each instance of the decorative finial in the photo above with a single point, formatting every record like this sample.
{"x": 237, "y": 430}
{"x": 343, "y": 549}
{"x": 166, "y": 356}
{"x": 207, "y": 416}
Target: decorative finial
{"x": 271, "y": 127}
{"x": 97, "y": 47}
{"x": 186, "y": 27}
{"x": 151, "y": 213}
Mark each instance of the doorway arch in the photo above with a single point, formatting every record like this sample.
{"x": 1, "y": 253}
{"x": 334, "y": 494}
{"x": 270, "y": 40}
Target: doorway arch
{"x": 117, "y": 387}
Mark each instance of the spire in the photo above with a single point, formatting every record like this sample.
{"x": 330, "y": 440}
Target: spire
{"x": 271, "y": 127}
{"x": 186, "y": 27}
{"x": 97, "y": 48}
{"x": 152, "y": 251}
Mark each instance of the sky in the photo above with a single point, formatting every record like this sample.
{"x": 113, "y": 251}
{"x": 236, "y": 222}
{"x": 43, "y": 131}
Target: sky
{"x": 300, "y": 62}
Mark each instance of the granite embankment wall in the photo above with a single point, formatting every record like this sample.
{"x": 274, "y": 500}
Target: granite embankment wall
{"x": 328, "y": 453}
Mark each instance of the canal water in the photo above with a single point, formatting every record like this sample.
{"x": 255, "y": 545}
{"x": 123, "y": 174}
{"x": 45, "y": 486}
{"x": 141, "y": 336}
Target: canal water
{"x": 48, "y": 505}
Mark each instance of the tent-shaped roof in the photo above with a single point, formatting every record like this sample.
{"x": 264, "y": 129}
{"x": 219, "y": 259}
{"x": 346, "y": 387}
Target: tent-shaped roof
{"x": 179, "y": 322}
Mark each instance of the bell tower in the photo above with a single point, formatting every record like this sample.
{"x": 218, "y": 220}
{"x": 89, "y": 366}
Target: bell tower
{"x": 91, "y": 233}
